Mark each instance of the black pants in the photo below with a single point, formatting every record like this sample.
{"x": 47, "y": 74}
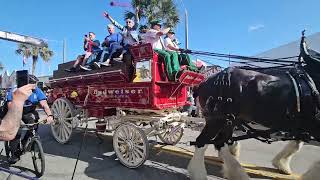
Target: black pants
{"x": 28, "y": 118}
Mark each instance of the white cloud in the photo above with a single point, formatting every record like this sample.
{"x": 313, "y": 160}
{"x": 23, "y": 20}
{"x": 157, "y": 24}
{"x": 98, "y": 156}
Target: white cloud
{"x": 255, "y": 27}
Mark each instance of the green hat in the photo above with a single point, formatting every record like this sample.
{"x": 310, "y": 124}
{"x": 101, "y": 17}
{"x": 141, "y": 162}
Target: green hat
{"x": 155, "y": 22}
{"x": 171, "y": 32}
{"x": 143, "y": 27}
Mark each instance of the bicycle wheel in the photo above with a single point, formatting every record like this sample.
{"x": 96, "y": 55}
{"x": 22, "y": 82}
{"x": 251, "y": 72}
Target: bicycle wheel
{"x": 37, "y": 155}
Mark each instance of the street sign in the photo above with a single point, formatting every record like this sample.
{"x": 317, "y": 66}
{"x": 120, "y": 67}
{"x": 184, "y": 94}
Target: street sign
{"x": 22, "y": 38}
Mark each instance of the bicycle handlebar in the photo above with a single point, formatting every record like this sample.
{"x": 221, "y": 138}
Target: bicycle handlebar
{"x": 32, "y": 124}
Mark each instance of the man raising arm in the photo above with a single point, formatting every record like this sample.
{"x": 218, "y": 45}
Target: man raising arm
{"x": 11, "y": 122}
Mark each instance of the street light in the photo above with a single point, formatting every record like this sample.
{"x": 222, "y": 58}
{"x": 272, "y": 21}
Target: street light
{"x": 186, "y": 28}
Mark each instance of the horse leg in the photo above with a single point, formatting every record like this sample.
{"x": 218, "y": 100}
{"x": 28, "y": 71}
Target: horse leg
{"x": 232, "y": 170}
{"x": 283, "y": 158}
{"x": 312, "y": 173}
{"x": 235, "y": 149}
{"x": 196, "y": 167}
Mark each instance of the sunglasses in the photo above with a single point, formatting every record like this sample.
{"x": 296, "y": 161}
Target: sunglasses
{"x": 128, "y": 22}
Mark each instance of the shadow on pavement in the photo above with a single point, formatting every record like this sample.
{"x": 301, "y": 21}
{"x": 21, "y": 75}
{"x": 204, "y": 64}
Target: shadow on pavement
{"x": 102, "y": 164}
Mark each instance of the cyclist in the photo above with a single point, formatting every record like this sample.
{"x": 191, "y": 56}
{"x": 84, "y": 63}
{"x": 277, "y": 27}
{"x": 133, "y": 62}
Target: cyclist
{"x": 29, "y": 115}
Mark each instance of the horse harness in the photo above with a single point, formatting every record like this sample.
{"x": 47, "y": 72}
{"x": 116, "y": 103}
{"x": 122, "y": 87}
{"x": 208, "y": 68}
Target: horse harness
{"x": 305, "y": 89}
{"x": 225, "y": 103}
{"x": 303, "y": 86}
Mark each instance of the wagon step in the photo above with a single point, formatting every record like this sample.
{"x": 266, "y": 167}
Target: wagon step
{"x": 191, "y": 78}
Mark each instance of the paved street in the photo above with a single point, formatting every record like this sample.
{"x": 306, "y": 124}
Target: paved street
{"x": 97, "y": 161}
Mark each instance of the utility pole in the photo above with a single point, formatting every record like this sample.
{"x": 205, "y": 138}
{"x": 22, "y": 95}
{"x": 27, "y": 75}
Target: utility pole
{"x": 186, "y": 29}
{"x": 64, "y": 53}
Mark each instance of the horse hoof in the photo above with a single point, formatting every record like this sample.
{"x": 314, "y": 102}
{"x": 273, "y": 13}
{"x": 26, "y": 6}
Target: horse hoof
{"x": 197, "y": 175}
{"x": 235, "y": 150}
{"x": 282, "y": 165}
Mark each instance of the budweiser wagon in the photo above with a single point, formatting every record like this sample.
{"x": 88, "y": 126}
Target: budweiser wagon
{"x": 133, "y": 99}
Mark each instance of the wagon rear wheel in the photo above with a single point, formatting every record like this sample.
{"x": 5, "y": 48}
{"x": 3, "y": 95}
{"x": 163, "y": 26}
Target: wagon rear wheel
{"x": 64, "y": 113}
{"x": 130, "y": 145}
{"x": 172, "y": 134}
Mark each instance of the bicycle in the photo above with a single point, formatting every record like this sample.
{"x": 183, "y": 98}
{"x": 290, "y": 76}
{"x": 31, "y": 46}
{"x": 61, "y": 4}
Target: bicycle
{"x": 32, "y": 145}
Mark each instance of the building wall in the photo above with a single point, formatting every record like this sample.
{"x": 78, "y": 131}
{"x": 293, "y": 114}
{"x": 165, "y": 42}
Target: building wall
{"x": 287, "y": 50}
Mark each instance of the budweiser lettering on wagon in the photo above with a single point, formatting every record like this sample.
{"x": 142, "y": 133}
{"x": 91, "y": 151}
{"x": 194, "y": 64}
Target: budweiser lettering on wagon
{"x": 127, "y": 94}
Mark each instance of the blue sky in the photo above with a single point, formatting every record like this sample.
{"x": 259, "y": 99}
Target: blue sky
{"x": 245, "y": 27}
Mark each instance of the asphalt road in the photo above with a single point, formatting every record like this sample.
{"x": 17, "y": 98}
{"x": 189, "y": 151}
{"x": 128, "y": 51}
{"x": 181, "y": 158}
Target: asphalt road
{"x": 98, "y": 161}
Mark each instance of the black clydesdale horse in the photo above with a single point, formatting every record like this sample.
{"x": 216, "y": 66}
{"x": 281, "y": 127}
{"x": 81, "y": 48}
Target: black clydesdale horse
{"x": 268, "y": 104}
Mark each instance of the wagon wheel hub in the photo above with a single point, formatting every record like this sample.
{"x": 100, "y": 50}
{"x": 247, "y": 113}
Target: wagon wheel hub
{"x": 123, "y": 148}
{"x": 130, "y": 145}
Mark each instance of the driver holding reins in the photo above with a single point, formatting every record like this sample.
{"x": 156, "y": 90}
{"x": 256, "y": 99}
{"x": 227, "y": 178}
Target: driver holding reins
{"x": 30, "y": 115}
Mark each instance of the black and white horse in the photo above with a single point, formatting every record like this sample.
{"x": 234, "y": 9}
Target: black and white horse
{"x": 284, "y": 102}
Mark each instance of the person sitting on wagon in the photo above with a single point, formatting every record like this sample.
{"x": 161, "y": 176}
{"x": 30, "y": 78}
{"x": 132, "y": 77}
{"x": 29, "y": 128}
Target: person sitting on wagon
{"x": 91, "y": 47}
{"x": 171, "y": 44}
{"x": 142, "y": 30}
{"x": 129, "y": 32}
{"x": 111, "y": 45}
{"x": 30, "y": 115}
{"x": 171, "y": 61}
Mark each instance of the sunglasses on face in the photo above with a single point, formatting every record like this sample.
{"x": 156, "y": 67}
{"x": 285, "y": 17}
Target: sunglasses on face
{"x": 128, "y": 22}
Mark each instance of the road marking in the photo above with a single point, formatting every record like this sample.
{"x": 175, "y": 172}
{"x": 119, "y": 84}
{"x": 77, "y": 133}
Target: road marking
{"x": 250, "y": 168}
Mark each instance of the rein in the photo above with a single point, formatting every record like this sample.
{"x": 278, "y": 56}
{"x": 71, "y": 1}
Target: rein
{"x": 277, "y": 61}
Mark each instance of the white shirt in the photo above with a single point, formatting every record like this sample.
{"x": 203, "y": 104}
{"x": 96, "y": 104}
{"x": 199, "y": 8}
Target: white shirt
{"x": 152, "y": 37}
{"x": 168, "y": 41}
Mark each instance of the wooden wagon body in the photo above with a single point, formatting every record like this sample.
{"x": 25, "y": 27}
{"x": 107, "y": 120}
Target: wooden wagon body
{"x": 122, "y": 100}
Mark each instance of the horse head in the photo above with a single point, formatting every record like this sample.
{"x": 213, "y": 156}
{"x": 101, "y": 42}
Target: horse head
{"x": 311, "y": 58}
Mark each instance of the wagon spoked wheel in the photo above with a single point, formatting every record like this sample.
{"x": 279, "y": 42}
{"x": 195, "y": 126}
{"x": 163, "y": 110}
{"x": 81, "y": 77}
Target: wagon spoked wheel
{"x": 172, "y": 134}
{"x": 63, "y": 112}
{"x": 130, "y": 145}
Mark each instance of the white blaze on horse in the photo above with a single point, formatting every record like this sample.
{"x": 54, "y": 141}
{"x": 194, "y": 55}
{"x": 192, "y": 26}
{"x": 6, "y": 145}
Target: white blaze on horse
{"x": 283, "y": 101}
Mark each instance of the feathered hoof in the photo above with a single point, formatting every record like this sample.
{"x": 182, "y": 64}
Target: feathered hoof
{"x": 197, "y": 173}
{"x": 282, "y": 165}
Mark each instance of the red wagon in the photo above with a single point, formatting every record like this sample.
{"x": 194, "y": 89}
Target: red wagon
{"x": 135, "y": 107}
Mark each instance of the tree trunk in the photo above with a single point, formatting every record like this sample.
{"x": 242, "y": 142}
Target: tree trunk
{"x": 34, "y": 63}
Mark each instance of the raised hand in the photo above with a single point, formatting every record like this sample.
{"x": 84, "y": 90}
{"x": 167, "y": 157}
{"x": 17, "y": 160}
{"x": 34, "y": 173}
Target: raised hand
{"x": 49, "y": 120}
{"x": 21, "y": 94}
{"x": 137, "y": 9}
{"x": 105, "y": 14}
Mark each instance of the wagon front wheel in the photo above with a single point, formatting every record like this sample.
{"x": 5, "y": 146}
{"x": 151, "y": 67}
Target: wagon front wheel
{"x": 130, "y": 145}
{"x": 172, "y": 134}
{"x": 63, "y": 113}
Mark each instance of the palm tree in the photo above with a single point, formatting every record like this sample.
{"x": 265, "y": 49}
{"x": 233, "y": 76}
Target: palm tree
{"x": 151, "y": 10}
{"x": 27, "y": 51}
{"x": 44, "y": 52}
{"x": 24, "y": 50}
{"x": 1, "y": 66}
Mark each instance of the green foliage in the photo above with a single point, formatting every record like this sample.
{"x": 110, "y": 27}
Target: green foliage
{"x": 164, "y": 10}
{"x": 28, "y": 51}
